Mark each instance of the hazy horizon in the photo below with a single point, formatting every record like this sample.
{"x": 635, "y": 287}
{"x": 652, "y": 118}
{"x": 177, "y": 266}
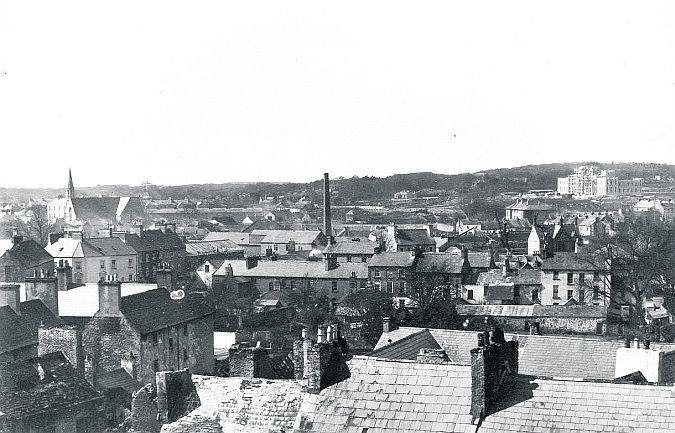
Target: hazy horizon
{"x": 218, "y": 92}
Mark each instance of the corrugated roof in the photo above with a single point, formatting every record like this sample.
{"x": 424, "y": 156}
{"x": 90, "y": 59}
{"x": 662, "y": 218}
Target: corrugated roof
{"x": 154, "y": 309}
{"x": 200, "y": 248}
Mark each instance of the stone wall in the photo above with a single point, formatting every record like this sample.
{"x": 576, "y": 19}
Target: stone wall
{"x": 547, "y": 325}
{"x": 668, "y": 367}
{"x": 110, "y": 340}
{"x": 144, "y": 410}
{"x": 66, "y": 339}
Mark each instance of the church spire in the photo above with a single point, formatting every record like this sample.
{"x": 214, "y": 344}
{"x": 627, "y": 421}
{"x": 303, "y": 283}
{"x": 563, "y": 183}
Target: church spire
{"x": 71, "y": 188}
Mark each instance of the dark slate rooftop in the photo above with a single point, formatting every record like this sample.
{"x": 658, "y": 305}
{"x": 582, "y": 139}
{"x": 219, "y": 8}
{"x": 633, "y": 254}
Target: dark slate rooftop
{"x": 408, "y": 347}
{"x": 60, "y": 389}
{"x": 298, "y": 269}
{"x": 29, "y": 252}
{"x": 22, "y": 330}
{"x": 392, "y": 259}
{"x": 521, "y": 277}
{"x": 155, "y": 240}
{"x": 440, "y": 263}
{"x": 263, "y": 224}
{"x": 572, "y": 262}
{"x": 538, "y": 355}
{"x": 200, "y": 248}
{"x": 154, "y": 309}
{"x": 411, "y": 237}
{"x": 106, "y": 247}
{"x": 96, "y": 209}
{"x": 118, "y": 378}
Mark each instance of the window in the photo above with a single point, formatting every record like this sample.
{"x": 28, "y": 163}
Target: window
{"x": 78, "y": 265}
{"x": 270, "y": 286}
{"x": 535, "y": 295}
{"x": 401, "y": 286}
{"x": 102, "y": 264}
{"x": 570, "y": 278}
{"x": 362, "y": 284}
{"x": 276, "y": 247}
{"x": 155, "y": 339}
{"x": 349, "y": 259}
{"x": 185, "y": 355}
{"x": 390, "y": 274}
{"x": 185, "y": 330}
{"x": 469, "y": 294}
{"x": 570, "y": 294}
{"x": 596, "y": 275}
{"x": 516, "y": 292}
{"x": 170, "y": 343}
{"x": 364, "y": 259}
{"x": 582, "y": 277}
{"x": 556, "y": 275}
{"x": 131, "y": 263}
{"x": 293, "y": 285}
{"x": 207, "y": 268}
{"x": 334, "y": 286}
{"x": 377, "y": 273}
{"x": 113, "y": 264}
{"x": 155, "y": 365}
{"x": 596, "y": 292}
{"x": 8, "y": 273}
{"x": 390, "y": 286}
{"x": 555, "y": 291}
{"x": 131, "y": 277}
{"x": 378, "y": 285}
{"x": 401, "y": 273}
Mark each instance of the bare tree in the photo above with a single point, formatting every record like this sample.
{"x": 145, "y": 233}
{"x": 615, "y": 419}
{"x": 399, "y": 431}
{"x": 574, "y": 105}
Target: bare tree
{"x": 639, "y": 256}
{"x": 39, "y": 227}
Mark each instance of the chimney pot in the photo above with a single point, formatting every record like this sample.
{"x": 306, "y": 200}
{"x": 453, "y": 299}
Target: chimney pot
{"x": 319, "y": 335}
{"x": 304, "y": 333}
{"x": 329, "y": 334}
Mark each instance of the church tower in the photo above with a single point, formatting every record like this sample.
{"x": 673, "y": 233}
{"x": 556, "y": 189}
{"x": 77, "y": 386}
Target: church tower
{"x": 70, "y": 192}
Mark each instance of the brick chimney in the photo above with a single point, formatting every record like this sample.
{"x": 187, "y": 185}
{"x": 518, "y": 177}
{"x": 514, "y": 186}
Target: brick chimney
{"x": 10, "y": 295}
{"x": 247, "y": 361}
{"x": 42, "y": 285}
{"x": 655, "y": 365}
{"x": 432, "y": 356}
{"x": 66, "y": 339}
{"x": 388, "y": 325}
{"x": 251, "y": 262}
{"x": 494, "y": 364}
{"x": 166, "y": 277}
{"x": 109, "y": 297}
{"x": 327, "y": 226}
{"x": 64, "y": 275}
{"x": 320, "y": 362}
{"x": 329, "y": 262}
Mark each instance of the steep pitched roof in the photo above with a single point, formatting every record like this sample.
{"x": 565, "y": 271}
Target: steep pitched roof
{"x": 96, "y": 210}
{"x": 520, "y": 277}
{"x": 29, "y": 252}
{"x": 263, "y": 224}
{"x": 21, "y": 330}
{"x": 440, "y": 263}
{"x": 152, "y": 240}
{"x": 154, "y": 309}
{"x": 393, "y": 259}
{"x": 66, "y": 248}
{"x": 107, "y": 247}
{"x": 408, "y": 347}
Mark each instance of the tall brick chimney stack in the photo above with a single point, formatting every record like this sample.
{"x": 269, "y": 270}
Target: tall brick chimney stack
{"x": 42, "y": 285}
{"x": 166, "y": 277}
{"x": 64, "y": 275}
{"x": 320, "y": 362}
{"x": 494, "y": 365}
{"x": 327, "y": 227}
{"x": 10, "y": 295}
{"x": 109, "y": 297}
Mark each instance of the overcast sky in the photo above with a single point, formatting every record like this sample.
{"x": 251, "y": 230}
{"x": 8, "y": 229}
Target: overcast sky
{"x": 220, "y": 91}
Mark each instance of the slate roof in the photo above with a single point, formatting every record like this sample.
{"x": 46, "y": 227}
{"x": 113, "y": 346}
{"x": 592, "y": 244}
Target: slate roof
{"x": 296, "y": 269}
{"x": 263, "y": 224}
{"x": 585, "y": 311}
{"x": 96, "y": 210}
{"x": 412, "y": 237}
{"x": 155, "y": 240}
{"x": 64, "y": 247}
{"x": 107, "y": 247}
{"x": 392, "y": 259}
{"x": 239, "y": 405}
{"x": 18, "y": 331}
{"x": 29, "y": 252}
{"x": 60, "y": 389}
{"x": 239, "y": 238}
{"x": 440, "y": 263}
{"x": 538, "y": 355}
{"x": 154, "y": 309}
{"x": 347, "y": 246}
{"x": 238, "y": 267}
{"x": 285, "y": 236}
{"x": 479, "y": 259}
{"x": 521, "y": 277}
{"x": 200, "y": 248}
{"x": 118, "y": 378}
{"x": 567, "y": 261}
{"x": 408, "y": 347}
